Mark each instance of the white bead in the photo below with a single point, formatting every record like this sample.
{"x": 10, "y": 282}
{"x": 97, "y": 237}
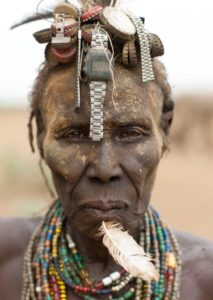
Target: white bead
{"x": 115, "y": 276}
{"x": 71, "y": 245}
{"x": 38, "y": 289}
{"x": 106, "y": 281}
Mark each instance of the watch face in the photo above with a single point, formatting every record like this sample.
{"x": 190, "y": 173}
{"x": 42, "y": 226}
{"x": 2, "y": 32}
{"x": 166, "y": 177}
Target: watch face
{"x": 66, "y": 9}
{"x": 98, "y": 66}
{"x": 117, "y": 20}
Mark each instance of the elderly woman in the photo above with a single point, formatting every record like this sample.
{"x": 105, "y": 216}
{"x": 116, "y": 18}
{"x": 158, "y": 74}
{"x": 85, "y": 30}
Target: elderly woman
{"x": 102, "y": 127}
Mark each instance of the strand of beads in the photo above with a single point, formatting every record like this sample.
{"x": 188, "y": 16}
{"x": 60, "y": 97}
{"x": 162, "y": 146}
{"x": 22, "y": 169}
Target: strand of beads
{"x": 79, "y": 279}
{"x": 159, "y": 241}
{"x": 30, "y": 285}
{"x": 53, "y": 237}
{"x": 52, "y": 264}
{"x": 172, "y": 260}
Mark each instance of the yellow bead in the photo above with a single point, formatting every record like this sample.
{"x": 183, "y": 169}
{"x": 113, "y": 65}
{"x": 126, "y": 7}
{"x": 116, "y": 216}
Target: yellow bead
{"x": 171, "y": 261}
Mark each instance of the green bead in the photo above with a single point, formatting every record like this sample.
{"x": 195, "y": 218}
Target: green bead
{"x": 66, "y": 259}
{"x": 128, "y": 294}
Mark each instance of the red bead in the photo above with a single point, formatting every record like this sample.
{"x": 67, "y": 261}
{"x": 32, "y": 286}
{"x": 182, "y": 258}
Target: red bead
{"x": 99, "y": 286}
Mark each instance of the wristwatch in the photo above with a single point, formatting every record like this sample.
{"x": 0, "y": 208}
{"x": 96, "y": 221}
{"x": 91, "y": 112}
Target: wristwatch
{"x": 98, "y": 71}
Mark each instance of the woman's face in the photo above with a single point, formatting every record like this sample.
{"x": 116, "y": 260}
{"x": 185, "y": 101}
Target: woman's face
{"x": 111, "y": 179}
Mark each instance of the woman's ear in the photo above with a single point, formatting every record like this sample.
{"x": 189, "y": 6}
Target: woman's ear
{"x": 167, "y": 115}
{"x": 166, "y": 121}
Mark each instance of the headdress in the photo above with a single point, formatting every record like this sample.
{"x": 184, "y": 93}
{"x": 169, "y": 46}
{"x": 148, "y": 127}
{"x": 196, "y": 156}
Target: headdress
{"x": 96, "y": 37}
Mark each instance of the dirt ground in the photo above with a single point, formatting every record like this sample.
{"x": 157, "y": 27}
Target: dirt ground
{"x": 184, "y": 188}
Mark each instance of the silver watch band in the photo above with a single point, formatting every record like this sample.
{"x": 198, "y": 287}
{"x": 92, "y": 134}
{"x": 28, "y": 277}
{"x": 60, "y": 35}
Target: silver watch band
{"x": 97, "y": 90}
{"x": 99, "y": 39}
{"x": 146, "y": 61}
{"x": 78, "y": 72}
{"x": 97, "y": 94}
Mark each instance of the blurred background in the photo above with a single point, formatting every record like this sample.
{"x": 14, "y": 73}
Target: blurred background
{"x": 184, "y": 188}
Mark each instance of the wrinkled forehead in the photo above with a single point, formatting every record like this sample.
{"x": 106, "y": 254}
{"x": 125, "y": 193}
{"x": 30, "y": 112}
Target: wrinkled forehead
{"x": 127, "y": 98}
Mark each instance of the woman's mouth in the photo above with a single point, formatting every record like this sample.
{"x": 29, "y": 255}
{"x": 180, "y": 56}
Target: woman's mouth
{"x": 106, "y": 209}
{"x": 105, "y": 206}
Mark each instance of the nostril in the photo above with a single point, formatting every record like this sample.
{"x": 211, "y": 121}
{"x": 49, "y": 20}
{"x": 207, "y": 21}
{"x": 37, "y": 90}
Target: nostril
{"x": 114, "y": 178}
{"x": 95, "y": 179}
{"x": 98, "y": 180}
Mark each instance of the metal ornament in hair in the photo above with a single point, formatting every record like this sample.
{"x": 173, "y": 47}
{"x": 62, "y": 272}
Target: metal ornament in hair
{"x": 98, "y": 71}
{"x": 97, "y": 94}
{"x": 78, "y": 67}
{"x": 146, "y": 62}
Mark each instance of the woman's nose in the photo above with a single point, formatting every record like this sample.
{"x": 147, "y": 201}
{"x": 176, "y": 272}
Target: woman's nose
{"x": 105, "y": 166}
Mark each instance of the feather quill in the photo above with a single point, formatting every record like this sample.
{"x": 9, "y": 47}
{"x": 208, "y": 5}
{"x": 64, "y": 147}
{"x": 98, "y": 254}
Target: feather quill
{"x": 126, "y": 252}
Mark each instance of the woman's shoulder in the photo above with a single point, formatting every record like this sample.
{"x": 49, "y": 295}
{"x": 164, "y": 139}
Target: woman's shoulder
{"x": 197, "y": 266}
{"x": 194, "y": 246}
{"x": 15, "y": 234}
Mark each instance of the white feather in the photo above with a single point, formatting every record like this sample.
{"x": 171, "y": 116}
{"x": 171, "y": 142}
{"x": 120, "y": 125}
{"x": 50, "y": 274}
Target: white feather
{"x": 126, "y": 252}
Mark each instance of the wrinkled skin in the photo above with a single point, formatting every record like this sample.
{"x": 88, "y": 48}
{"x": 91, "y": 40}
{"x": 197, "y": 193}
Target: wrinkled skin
{"x": 107, "y": 180}
{"x": 93, "y": 180}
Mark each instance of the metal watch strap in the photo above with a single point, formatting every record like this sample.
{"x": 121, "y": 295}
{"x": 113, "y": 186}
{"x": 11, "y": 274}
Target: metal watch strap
{"x": 78, "y": 71}
{"x": 146, "y": 62}
{"x": 97, "y": 94}
{"x": 99, "y": 39}
{"x": 97, "y": 90}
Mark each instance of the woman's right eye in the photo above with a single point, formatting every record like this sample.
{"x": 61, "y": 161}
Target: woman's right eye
{"x": 73, "y": 135}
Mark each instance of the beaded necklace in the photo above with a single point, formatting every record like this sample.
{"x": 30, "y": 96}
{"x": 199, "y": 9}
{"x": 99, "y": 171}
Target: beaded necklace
{"x": 52, "y": 264}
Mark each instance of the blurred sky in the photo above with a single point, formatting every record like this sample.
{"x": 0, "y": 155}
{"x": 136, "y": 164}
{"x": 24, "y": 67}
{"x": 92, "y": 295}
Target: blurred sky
{"x": 185, "y": 27}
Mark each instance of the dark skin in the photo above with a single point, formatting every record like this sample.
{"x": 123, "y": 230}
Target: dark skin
{"x": 107, "y": 180}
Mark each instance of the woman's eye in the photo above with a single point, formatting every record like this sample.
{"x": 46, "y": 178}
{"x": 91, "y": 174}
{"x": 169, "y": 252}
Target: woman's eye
{"x": 75, "y": 134}
{"x": 132, "y": 133}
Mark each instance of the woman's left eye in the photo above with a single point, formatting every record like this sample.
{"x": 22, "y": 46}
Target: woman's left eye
{"x": 133, "y": 132}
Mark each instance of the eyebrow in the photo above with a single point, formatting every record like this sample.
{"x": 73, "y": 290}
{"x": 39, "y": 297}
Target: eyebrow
{"x": 115, "y": 120}
{"x": 118, "y": 120}
{"x": 61, "y": 124}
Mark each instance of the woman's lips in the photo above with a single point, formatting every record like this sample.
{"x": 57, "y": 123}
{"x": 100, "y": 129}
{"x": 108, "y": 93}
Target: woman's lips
{"x": 105, "y": 206}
